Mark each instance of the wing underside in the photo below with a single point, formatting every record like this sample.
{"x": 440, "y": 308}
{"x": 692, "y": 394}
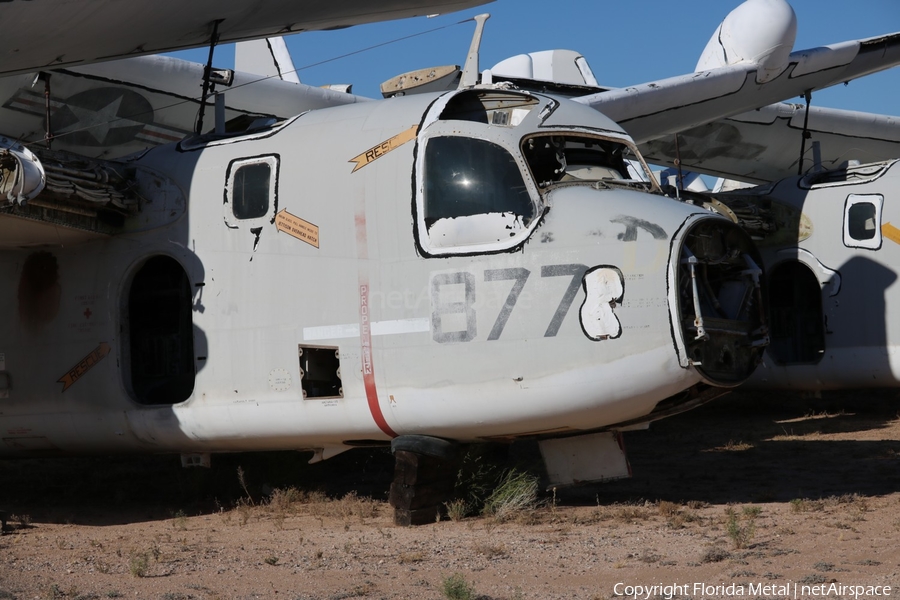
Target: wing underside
{"x": 57, "y": 33}
{"x": 765, "y": 145}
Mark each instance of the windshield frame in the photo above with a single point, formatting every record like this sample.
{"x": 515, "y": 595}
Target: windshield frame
{"x": 485, "y": 133}
{"x": 607, "y": 137}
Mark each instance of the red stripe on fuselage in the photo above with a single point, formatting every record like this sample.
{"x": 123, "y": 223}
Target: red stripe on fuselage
{"x": 365, "y": 337}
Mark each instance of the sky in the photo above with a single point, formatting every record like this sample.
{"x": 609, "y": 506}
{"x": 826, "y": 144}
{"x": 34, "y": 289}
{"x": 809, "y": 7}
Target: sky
{"x": 625, "y": 43}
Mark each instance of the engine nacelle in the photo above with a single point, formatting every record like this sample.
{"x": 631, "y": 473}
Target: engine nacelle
{"x": 21, "y": 173}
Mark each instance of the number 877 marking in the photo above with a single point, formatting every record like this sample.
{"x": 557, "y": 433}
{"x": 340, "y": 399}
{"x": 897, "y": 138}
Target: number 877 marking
{"x": 467, "y": 307}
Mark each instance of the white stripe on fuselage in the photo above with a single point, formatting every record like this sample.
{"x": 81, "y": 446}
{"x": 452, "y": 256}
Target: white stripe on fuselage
{"x": 350, "y": 330}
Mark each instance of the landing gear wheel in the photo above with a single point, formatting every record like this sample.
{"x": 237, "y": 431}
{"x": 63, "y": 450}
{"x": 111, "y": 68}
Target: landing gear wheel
{"x": 425, "y": 445}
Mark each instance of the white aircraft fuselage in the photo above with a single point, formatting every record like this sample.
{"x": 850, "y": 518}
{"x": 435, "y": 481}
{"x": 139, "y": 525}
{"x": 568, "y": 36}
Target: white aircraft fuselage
{"x": 467, "y": 266}
{"x": 829, "y": 242}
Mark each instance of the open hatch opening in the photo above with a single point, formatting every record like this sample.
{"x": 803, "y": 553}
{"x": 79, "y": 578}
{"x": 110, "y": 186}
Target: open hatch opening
{"x": 795, "y": 306}
{"x": 161, "y": 333}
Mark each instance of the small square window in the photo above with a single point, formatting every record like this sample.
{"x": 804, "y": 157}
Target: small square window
{"x": 862, "y": 221}
{"x": 250, "y": 192}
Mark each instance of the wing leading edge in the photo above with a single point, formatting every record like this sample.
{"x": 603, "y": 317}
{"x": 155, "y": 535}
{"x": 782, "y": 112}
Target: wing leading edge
{"x": 652, "y": 110}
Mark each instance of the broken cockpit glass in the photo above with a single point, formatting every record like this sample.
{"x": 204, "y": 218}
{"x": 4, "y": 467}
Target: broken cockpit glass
{"x": 565, "y": 158}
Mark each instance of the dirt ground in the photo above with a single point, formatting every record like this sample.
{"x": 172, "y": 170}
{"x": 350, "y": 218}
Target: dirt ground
{"x": 752, "y": 496}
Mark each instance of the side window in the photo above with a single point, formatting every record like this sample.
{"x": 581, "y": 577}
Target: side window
{"x": 474, "y": 194}
{"x": 862, "y": 221}
{"x": 251, "y": 189}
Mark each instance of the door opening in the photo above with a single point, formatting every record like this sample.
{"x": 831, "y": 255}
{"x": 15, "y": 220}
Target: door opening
{"x": 161, "y": 328}
{"x": 797, "y": 325}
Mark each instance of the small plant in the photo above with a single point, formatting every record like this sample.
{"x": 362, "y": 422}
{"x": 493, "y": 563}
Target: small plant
{"x": 751, "y": 512}
{"x": 243, "y": 482}
{"x": 179, "y": 520}
{"x": 22, "y": 521}
{"x": 668, "y": 509}
{"x": 457, "y": 510}
{"x": 739, "y": 534}
{"x": 456, "y": 587}
{"x": 490, "y": 550}
{"x": 800, "y": 505}
{"x": 738, "y": 446}
{"x": 630, "y": 513}
{"x": 516, "y": 492}
{"x": 139, "y": 564}
{"x": 410, "y": 557}
{"x": 244, "y": 510}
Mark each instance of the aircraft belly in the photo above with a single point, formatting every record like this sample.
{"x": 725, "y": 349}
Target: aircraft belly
{"x": 569, "y": 400}
{"x": 839, "y": 368}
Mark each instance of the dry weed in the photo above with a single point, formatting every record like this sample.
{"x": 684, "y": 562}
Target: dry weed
{"x": 803, "y": 505}
{"x": 346, "y": 507}
{"x": 715, "y": 554}
{"x": 457, "y": 509}
{"x": 629, "y": 513}
{"x": 516, "y": 492}
{"x": 490, "y": 550}
{"x": 676, "y": 516}
{"x": 179, "y": 520}
{"x": 740, "y": 530}
{"x": 410, "y": 558}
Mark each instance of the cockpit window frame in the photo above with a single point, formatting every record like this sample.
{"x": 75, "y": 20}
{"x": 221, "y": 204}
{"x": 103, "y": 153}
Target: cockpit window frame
{"x": 538, "y": 114}
{"x": 479, "y": 131}
{"x": 600, "y": 137}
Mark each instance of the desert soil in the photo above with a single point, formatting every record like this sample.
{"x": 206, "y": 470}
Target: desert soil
{"x": 752, "y": 490}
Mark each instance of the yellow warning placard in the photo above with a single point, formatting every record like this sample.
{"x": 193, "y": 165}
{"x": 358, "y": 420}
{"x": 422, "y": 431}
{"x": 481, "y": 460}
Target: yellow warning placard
{"x": 891, "y": 233}
{"x": 85, "y": 365}
{"x": 376, "y": 152}
{"x": 297, "y": 227}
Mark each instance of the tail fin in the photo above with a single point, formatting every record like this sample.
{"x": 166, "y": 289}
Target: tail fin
{"x": 268, "y": 57}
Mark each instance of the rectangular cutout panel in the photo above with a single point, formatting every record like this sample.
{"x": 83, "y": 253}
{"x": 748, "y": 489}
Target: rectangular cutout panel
{"x": 320, "y": 372}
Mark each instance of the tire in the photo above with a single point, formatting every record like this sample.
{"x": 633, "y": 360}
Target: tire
{"x": 426, "y": 445}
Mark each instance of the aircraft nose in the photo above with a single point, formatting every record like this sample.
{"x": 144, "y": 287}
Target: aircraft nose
{"x": 720, "y": 301}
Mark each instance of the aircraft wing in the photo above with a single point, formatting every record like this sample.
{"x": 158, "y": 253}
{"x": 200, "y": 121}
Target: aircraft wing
{"x": 118, "y": 107}
{"x": 56, "y": 33}
{"x": 653, "y": 110}
{"x": 764, "y": 145}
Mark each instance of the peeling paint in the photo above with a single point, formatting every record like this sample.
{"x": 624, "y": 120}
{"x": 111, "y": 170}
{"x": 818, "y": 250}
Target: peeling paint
{"x": 632, "y": 224}
{"x": 604, "y": 287}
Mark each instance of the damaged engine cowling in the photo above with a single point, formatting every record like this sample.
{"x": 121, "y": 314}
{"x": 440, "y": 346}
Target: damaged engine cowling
{"x": 21, "y": 173}
{"x": 721, "y": 306}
